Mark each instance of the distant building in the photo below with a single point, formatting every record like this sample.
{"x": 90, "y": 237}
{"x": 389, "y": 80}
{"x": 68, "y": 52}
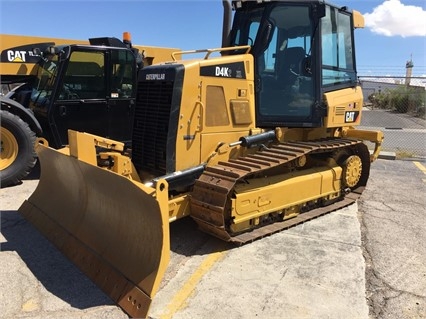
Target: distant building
{"x": 378, "y": 85}
{"x": 371, "y": 85}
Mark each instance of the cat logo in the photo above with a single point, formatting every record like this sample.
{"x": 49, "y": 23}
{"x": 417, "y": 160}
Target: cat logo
{"x": 16, "y": 56}
{"x": 351, "y": 116}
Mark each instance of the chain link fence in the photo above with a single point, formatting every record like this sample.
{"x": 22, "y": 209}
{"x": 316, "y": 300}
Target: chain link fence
{"x": 396, "y": 106}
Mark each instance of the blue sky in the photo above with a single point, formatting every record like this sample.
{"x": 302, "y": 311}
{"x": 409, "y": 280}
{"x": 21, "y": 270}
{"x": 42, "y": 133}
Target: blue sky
{"x": 395, "y": 29}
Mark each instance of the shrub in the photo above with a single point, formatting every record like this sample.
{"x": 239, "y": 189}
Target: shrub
{"x": 379, "y": 100}
{"x": 402, "y": 99}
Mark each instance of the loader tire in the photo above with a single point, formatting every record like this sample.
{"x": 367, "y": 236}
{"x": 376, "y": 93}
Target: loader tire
{"x": 18, "y": 156}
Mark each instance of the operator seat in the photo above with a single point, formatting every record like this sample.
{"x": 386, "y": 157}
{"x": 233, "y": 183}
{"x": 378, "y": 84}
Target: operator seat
{"x": 292, "y": 86}
{"x": 291, "y": 60}
{"x": 289, "y": 65}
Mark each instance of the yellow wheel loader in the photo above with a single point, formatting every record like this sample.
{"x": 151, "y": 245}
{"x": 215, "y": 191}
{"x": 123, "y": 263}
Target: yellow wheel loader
{"x": 251, "y": 138}
{"x": 52, "y": 85}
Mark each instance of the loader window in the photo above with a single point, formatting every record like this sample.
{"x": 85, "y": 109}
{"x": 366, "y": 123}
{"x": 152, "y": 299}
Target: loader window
{"x": 44, "y": 82}
{"x": 123, "y": 74}
{"x": 84, "y": 77}
{"x": 337, "y": 49}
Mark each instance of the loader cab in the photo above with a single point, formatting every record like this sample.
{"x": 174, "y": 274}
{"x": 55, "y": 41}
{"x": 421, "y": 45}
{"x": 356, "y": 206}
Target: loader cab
{"x": 86, "y": 88}
{"x": 301, "y": 50}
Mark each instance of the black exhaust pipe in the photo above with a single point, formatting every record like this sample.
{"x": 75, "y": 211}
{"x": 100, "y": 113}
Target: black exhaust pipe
{"x": 227, "y": 21}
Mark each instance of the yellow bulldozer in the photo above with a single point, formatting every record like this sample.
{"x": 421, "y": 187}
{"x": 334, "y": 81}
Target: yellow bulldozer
{"x": 251, "y": 138}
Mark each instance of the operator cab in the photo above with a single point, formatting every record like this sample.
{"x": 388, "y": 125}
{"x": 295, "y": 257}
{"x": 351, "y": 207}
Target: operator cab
{"x": 89, "y": 88}
{"x": 302, "y": 49}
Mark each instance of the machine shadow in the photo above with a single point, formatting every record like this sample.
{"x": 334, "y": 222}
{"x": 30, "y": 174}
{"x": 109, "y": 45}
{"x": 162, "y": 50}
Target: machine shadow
{"x": 54, "y": 271}
{"x": 187, "y": 240}
{"x": 64, "y": 280}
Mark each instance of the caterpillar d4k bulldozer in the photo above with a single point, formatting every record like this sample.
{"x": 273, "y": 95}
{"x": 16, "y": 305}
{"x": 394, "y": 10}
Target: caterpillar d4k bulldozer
{"x": 51, "y": 85}
{"x": 251, "y": 138}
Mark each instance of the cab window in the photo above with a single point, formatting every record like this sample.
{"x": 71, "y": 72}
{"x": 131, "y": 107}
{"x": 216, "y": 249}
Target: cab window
{"x": 337, "y": 54}
{"x": 123, "y": 74}
{"x": 84, "y": 77}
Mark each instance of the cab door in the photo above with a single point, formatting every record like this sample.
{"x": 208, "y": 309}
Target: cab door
{"x": 81, "y": 102}
{"x": 121, "y": 94}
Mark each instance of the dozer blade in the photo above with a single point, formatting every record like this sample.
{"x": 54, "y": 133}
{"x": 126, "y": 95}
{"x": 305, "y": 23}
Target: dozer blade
{"x": 114, "y": 229}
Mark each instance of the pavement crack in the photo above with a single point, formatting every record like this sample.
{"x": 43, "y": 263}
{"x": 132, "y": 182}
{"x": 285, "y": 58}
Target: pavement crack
{"x": 272, "y": 291}
{"x": 384, "y": 218}
{"x": 374, "y": 284}
{"x": 416, "y": 229}
{"x": 379, "y": 292}
{"x": 324, "y": 239}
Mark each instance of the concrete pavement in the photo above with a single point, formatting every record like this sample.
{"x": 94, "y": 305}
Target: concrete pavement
{"x": 392, "y": 211}
{"x": 330, "y": 267}
{"x": 315, "y": 270}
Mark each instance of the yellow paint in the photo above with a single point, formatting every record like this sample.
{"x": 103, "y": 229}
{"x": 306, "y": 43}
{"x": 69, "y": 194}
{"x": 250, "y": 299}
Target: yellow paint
{"x": 30, "y": 305}
{"x": 179, "y": 301}
{"x": 9, "y": 148}
{"x": 265, "y": 195}
{"x": 420, "y": 167}
{"x": 152, "y": 54}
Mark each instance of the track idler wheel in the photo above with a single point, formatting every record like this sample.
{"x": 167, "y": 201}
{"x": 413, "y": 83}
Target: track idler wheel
{"x": 352, "y": 171}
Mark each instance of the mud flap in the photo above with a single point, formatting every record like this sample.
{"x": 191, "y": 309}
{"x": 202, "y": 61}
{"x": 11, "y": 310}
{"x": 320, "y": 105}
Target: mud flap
{"x": 114, "y": 229}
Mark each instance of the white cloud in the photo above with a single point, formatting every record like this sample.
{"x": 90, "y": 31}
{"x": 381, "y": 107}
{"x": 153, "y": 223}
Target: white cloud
{"x": 393, "y": 18}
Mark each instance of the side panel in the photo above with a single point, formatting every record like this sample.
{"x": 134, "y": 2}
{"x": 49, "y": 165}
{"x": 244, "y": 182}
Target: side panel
{"x": 85, "y": 116}
{"x": 283, "y": 191}
{"x": 217, "y": 108}
{"x": 344, "y": 107}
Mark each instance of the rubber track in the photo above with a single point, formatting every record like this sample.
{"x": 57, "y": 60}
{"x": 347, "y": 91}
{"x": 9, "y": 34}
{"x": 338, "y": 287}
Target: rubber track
{"x": 211, "y": 196}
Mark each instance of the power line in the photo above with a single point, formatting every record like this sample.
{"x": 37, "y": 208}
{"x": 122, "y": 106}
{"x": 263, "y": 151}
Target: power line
{"x": 389, "y": 67}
